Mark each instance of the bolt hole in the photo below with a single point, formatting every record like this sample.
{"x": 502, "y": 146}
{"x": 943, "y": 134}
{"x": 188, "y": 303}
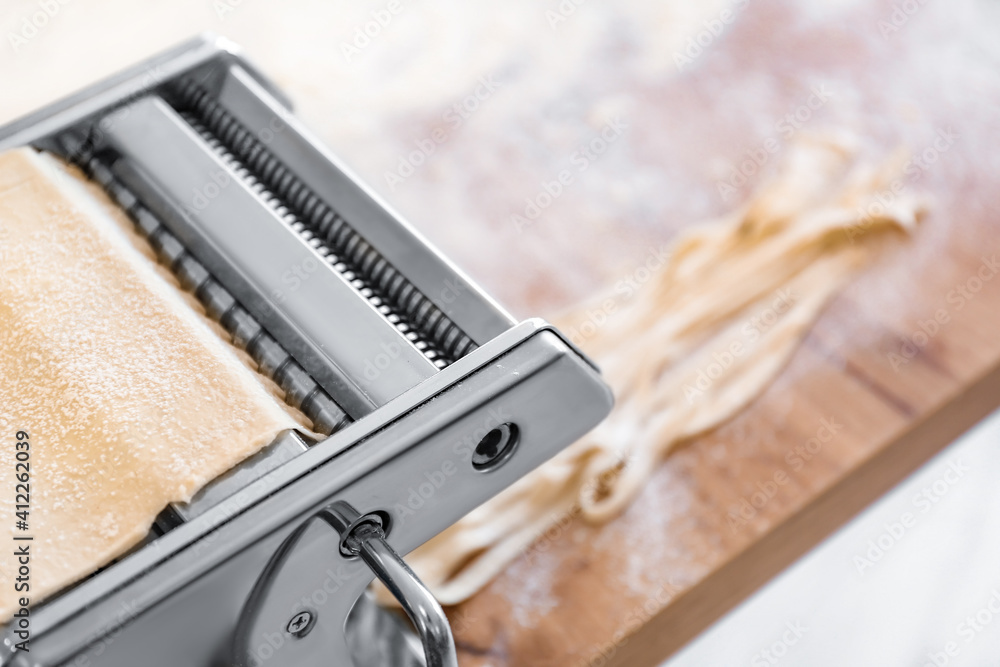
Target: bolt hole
{"x": 495, "y": 448}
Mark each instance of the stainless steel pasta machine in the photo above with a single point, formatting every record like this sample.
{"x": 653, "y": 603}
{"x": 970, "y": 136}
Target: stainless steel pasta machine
{"x": 430, "y": 398}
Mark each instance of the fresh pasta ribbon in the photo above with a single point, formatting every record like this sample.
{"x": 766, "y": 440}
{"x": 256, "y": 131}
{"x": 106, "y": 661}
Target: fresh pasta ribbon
{"x": 690, "y": 349}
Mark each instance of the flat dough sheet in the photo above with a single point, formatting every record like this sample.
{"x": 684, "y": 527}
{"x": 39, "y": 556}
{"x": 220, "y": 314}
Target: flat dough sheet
{"x": 130, "y": 398}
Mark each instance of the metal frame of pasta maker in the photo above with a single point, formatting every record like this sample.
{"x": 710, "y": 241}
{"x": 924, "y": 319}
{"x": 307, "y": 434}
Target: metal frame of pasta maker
{"x": 431, "y": 398}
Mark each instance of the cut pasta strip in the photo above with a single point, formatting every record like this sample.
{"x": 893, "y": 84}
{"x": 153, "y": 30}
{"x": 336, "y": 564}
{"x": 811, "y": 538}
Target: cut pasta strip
{"x": 689, "y": 350}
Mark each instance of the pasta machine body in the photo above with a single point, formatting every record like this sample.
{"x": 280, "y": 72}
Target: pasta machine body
{"x": 429, "y": 397}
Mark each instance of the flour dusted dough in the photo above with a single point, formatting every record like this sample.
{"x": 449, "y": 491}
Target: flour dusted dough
{"x": 130, "y": 398}
{"x": 757, "y": 279}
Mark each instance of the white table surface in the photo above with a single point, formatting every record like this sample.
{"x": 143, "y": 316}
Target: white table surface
{"x": 834, "y": 609}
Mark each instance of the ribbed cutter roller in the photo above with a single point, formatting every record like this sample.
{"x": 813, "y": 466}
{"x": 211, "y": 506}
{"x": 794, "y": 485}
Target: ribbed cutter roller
{"x": 409, "y": 370}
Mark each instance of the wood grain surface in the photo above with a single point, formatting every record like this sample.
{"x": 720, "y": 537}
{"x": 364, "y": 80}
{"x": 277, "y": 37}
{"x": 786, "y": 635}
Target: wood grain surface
{"x": 844, "y": 422}
{"x": 901, "y": 363}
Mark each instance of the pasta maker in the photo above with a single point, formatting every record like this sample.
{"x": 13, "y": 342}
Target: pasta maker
{"x": 429, "y": 397}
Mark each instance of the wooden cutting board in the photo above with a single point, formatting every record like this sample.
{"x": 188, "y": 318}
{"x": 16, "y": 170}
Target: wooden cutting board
{"x": 904, "y": 360}
{"x": 900, "y": 364}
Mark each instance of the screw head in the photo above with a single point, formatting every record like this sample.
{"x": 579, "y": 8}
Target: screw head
{"x": 301, "y": 624}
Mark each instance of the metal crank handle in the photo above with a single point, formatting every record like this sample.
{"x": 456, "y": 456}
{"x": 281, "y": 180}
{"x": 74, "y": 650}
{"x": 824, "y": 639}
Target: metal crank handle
{"x": 365, "y": 537}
